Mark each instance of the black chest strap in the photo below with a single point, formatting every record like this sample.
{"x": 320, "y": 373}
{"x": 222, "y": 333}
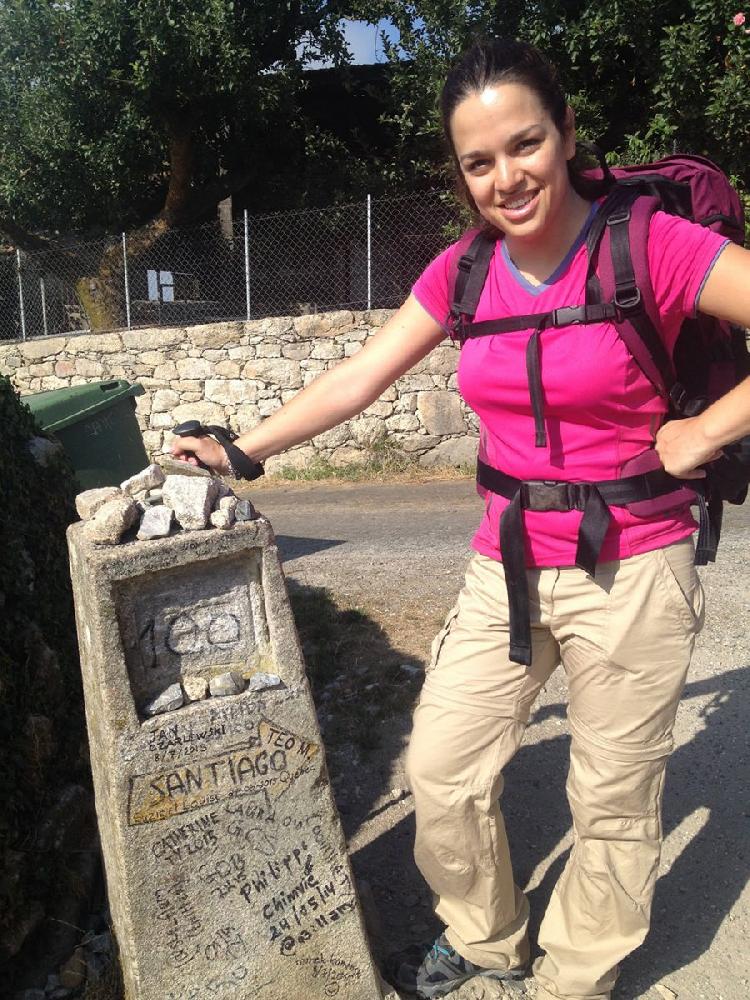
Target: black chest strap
{"x": 594, "y": 500}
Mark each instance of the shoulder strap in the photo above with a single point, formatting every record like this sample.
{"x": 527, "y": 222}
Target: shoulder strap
{"x": 618, "y": 272}
{"x": 471, "y": 273}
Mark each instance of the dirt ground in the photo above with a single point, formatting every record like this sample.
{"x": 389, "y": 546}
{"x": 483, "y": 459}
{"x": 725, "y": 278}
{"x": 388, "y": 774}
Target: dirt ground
{"x": 382, "y": 564}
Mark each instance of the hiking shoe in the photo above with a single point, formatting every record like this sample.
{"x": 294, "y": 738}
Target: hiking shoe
{"x": 440, "y": 971}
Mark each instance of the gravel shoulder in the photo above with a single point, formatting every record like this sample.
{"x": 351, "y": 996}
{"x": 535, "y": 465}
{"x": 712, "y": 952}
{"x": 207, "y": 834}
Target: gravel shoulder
{"x": 398, "y": 553}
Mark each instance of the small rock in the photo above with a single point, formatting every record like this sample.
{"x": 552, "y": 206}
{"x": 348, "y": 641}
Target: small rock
{"x": 224, "y": 684}
{"x": 44, "y": 451}
{"x": 73, "y": 973}
{"x": 174, "y": 467}
{"x": 262, "y": 682}
{"x": 228, "y": 502}
{"x": 665, "y": 991}
{"x": 89, "y": 502}
{"x": 191, "y": 499}
{"x": 112, "y": 520}
{"x": 195, "y": 687}
{"x": 155, "y": 495}
{"x": 222, "y": 519}
{"x": 244, "y": 511}
{"x": 155, "y": 523}
{"x": 167, "y": 701}
{"x": 147, "y": 479}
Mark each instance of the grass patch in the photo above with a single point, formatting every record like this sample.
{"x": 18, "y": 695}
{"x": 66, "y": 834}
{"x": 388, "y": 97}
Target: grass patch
{"x": 382, "y": 463}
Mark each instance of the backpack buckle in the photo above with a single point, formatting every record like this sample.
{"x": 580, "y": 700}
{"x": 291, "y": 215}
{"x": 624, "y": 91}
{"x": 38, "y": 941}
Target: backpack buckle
{"x": 627, "y": 300}
{"x": 619, "y": 216}
{"x": 569, "y": 316}
{"x": 465, "y": 263}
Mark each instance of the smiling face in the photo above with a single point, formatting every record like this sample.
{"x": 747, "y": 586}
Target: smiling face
{"x": 513, "y": 159}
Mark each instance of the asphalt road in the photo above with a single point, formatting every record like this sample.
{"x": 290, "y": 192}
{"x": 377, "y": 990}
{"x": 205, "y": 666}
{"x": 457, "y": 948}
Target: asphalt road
{"x": 392, "y": 546}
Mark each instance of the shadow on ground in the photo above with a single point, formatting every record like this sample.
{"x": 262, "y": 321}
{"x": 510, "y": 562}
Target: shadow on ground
{"x": 692, "y": 898}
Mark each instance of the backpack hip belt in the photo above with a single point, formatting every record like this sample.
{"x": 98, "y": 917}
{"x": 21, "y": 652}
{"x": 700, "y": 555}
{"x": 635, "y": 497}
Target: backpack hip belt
{"x": 594, "y": 500}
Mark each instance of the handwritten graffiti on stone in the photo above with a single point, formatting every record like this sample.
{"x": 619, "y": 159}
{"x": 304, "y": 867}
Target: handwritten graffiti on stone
{"x": 200, "y": 836}
{"x": 226, "y": 944}
{"x": 335, "y": 972}
{"x": 280, "y": 760}
{"x": 197, "y": 632}
{"x": 208, "y": 990}
{"x": 296, "y": 898}
{"x": 183, "y": 926}
{"x": 180, "y": 740}
{"x": 222, "y": 875}
{"x": 251, "y": 821}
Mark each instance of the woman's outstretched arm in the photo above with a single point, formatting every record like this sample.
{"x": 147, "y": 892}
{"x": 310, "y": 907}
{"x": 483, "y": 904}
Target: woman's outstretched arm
{"x": 337, "y": 395}
{"x": 683, "y": 445}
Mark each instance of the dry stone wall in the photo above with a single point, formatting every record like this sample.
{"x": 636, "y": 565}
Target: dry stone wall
{"x": 240, "y": 372}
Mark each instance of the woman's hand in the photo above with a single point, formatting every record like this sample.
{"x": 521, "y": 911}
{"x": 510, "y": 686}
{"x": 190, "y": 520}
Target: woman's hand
{"x": 205, "y": 449}
{"x": 683, "y": 447}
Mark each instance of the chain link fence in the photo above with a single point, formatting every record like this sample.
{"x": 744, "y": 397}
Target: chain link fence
{"x": 356, "y": 256}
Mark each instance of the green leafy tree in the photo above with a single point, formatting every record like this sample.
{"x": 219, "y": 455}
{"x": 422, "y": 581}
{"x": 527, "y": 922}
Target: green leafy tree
{"x": 644, "y": 78}
{"x": 122, "y": 113}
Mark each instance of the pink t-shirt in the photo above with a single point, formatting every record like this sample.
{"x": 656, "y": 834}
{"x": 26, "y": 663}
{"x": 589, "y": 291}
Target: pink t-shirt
{"x": 599, "y": 408}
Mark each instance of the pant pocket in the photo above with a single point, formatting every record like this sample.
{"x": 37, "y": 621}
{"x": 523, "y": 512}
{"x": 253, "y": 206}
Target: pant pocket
{"x": 440, "y": 639}
{"x": 682, "y": 583}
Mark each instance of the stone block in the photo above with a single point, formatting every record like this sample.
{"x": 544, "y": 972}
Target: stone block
{"x": 327, "y": 350}
{"x": 402, "y": 422}
{"x": 231, "y": 390}
{"x": 367, "y": 431}
{"x": 206, "y": 411}
{"x": 89, "y": 502}
{"x": 149, "y": 340}
{"x": 156, "y": 522}
{"x": 198, "y": 368}
{"x": 42, "y": 347}
{"x": 164, "y": 400}
{"x": 214, "y": 334}
{"x": 455, "y": 452}
{"x": 89, "y": 369}
{"x": 226, "y": 865}
{"x": 296, "y": 351}
{"x": 148, "y": 479}
{"x": 442, "y": 361}
{"x": 195, "y": 687}
{"x": 111, "y": 521}
{"x": 191, "y": 498}
{"x": 282, "y": 372}
{"x": 323, "y": 324}
{"x": 440, "y": 412}
{"x": 246, "y": 416}
{"x": 332, "y": 438}
{"x": 226, "y": 684}
{"x": 166, "y": 372}
{"x": 96, "y": 343}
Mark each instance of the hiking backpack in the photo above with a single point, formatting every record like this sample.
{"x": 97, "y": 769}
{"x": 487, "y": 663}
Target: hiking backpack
{"x": 710, "y": 356}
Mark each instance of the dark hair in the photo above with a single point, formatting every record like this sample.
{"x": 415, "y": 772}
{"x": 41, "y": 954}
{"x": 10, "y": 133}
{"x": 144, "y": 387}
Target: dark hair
{"x": 507, "y": 60}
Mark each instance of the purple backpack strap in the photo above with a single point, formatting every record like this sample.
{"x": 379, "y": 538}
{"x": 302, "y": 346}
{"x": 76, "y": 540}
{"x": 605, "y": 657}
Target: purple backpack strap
{"x": 623, "y": 276}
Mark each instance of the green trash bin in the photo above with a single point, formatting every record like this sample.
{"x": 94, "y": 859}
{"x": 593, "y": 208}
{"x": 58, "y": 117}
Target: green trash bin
{"x": 97, "y": 426}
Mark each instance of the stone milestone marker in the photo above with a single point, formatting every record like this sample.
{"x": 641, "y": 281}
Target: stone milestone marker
{"x": 226, "y": 865}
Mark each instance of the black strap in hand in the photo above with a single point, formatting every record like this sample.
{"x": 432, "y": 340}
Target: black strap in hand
{"x": 242, "y": 466}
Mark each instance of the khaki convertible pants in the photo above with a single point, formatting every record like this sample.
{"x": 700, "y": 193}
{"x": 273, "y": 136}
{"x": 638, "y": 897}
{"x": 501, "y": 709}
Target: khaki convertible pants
{"x": 624, "y": 639}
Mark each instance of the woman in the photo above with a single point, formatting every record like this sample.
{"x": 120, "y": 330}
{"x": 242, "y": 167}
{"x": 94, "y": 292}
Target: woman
{"x": 625, "y": 634}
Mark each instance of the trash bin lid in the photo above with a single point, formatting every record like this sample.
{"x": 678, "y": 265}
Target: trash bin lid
{"x": 58, "y": 408}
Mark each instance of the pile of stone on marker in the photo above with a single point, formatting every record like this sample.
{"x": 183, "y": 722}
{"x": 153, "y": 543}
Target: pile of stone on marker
{"x": 159, "y": 504}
